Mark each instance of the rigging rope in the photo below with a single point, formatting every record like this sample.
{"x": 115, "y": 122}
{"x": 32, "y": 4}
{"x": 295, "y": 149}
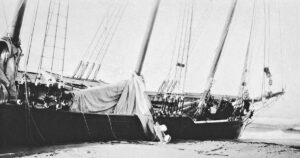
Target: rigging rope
{"x": 105, "y": 49}
{"x": 181, "y": 45}
{"x": 181, "y": 49}
{"x": 44, "y": 42}
{"x": 31, "y": 37}
{"x": 186, "y": 44}
{"x": 55, "y": 35}
{"x": 109, "y": 15}
{"x": 65, "y": 41}
{"x": 189, "y": 44}
{"x": 166, "y": 84}
{"x": 54, "y": 9}
{"x": 174, "y": 48}
{"x": 105, "y": 35}
{"x": 265, "y": 49}
{"x": 243, "y": 83}
{"x": 106, "y": 41}
{"x": 88, "y": 50}
{"x": 110, "y": 32}
{"x": 174, "y": 81}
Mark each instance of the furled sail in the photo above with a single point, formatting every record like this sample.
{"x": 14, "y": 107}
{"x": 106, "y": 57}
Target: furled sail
{"x": 125, "y": 98}
{"x": 10, "y": 53}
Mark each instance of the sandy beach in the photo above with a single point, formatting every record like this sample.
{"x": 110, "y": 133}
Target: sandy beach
{"x": 256, "y": 141}
{"x": 115, "y": 149}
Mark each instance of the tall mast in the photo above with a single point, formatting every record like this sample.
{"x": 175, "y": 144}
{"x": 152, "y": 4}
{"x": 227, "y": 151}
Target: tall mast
{"x": 217, "y": 56}
{"x": 17, "y": 22}
{"x": 139, "y": 65}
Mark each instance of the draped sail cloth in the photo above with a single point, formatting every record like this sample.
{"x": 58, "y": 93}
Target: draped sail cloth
{"x": 9, "y": 59}
{"x": 126, "y": 97}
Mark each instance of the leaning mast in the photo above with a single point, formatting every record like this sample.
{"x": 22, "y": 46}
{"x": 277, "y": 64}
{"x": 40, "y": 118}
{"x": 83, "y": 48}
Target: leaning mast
{"x": 219, "y": 50}
{"x": 17, "y": 23}
{"x": 144, "y": 48}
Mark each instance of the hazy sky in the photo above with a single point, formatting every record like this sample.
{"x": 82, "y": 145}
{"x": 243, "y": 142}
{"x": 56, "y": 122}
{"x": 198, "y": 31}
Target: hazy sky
{"x": 209, "y": 18}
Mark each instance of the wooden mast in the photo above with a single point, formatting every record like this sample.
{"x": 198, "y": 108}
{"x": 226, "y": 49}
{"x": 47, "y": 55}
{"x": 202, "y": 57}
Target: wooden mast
{"x": 219, "y": 50}
{"x": 17, "y": 22}
{"x": 140, "y": 62}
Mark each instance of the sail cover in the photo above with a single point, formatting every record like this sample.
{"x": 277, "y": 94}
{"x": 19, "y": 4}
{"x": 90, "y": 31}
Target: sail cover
{"x": 126, "y": 97}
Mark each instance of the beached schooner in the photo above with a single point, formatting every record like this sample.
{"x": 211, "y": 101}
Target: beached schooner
{"x": 31, "y": 120}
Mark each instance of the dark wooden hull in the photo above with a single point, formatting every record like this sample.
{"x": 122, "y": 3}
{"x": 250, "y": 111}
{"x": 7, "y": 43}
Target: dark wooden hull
{"x": 186, "y": 128}
{"x": 46, "y": 127}
{"x": 58, "y": 127}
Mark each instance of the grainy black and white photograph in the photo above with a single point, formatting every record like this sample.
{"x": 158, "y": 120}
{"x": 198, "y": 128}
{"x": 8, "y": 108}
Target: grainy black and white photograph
{"x": 150, "y": 78}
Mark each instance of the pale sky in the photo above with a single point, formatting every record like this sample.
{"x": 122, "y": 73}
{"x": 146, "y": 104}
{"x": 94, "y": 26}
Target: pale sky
{"x": 209, "y": 18}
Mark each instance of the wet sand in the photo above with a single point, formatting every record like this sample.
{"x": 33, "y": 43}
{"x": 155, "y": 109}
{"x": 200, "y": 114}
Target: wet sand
{"x": 174, "y": 149}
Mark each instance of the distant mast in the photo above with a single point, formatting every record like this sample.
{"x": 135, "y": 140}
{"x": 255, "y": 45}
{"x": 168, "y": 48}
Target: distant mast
{"x": 219, "y": 50}
{"x": 144, "y": 48}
